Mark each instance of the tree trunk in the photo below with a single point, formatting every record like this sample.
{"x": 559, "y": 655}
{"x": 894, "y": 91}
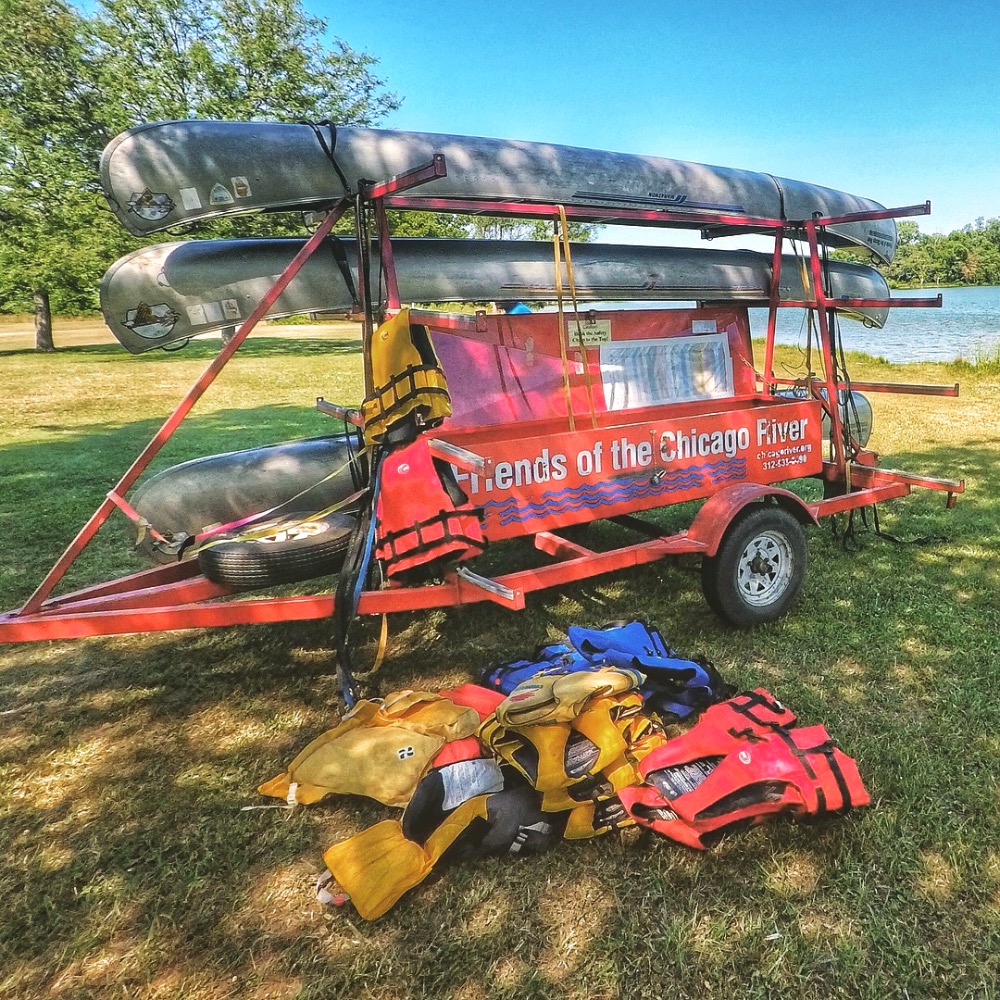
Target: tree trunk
{"x": 43, "y": 321}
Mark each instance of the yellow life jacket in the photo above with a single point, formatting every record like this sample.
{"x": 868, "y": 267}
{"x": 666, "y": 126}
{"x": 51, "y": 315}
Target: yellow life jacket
{"x": 375, "y": 867}
{"x": 407, "y": 377}
{"x": 379, "y": 749}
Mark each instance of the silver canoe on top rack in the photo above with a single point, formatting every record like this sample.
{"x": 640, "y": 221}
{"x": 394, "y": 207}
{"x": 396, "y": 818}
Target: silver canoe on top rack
{"x": 168, "y": 174}
{"x": 166, "y": 293}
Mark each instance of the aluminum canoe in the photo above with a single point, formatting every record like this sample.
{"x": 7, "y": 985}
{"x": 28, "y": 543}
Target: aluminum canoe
{"x": 167, "y": 174}
{"x": 166, "y": 293}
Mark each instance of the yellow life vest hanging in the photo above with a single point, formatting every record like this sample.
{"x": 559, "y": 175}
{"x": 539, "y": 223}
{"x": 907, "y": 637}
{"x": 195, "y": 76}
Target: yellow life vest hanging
{"x": 407, "y": 377}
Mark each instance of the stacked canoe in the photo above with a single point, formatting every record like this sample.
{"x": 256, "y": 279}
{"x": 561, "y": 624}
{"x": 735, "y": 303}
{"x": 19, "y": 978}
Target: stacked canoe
{"x": 174, "y": 174}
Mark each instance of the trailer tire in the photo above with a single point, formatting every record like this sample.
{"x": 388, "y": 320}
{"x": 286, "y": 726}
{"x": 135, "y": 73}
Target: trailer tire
{"x": 297, "y": 547}
{"x": 759, "y": 568}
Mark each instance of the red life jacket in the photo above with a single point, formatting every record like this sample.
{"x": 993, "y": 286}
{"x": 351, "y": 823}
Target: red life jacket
{"x": 721, "y": 728}
{"x": 420, "y": 522}
{"x": 799, "y": 771}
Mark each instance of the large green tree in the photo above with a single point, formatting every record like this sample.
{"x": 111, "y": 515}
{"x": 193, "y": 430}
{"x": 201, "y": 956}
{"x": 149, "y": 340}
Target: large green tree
{"x": 56, "y": 236}
{"x": 68, "y": 83}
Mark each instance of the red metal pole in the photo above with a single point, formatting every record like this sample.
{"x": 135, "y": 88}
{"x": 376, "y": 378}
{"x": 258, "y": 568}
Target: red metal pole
{"x": 772, "y": 312}
{"x": 832, "y": 398}
{"x": 161, "y": 437}
{"x": 388, "y": 261}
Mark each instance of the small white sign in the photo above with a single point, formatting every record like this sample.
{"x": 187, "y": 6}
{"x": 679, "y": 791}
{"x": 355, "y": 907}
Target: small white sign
{"x": 213, "y": 312}
{"x": 593, "y": 332}
{"x": 190, "y": 199}
{"x": 704, "y": 326}
{"x": 196, "y": 315}
{"x": 639, "y": 373}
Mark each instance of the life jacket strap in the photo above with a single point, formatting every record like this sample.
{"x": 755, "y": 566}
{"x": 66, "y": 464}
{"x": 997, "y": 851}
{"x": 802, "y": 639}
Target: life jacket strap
{"x": 442, "y": 529}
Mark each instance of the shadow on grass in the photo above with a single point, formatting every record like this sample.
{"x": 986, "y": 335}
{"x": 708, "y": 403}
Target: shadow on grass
{"x": 126, "y": 761}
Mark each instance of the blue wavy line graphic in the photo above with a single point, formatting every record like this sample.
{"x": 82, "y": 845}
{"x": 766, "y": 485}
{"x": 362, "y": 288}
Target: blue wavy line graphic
{"x": 612, "y": 490}
{"x": 591, "y": 496}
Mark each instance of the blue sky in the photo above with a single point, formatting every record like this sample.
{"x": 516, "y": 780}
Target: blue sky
{"x": 897, "y": 102}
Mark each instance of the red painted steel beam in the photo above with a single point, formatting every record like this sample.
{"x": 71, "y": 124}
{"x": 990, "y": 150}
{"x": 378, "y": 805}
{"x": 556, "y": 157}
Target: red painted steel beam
{"x": 885, "y": 213}
{"x": 877, "y": 476}
{"x": 158, "y": 576}
{"x": 436, "y": 167}
{"x": 821, "y": 301}
{"x": 608, "y": 214}
{"x": 827, "y": 347}
{"x": 912, "y": 388}
{"x": 58, "y": 624}
{"x": 558, "y": 547}
{"x": 859, "y": 498}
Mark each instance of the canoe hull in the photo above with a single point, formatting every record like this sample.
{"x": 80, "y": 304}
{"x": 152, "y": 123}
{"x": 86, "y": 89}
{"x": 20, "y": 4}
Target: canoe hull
{"x": 167, "y": 174}
{"x": 166, "y": 293}
{"x": 218, "y": 489}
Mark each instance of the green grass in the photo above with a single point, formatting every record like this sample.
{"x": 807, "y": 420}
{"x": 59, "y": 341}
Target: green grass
{"x": 124, "y": 762}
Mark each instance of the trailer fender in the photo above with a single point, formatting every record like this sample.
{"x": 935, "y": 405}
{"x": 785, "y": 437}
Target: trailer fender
{"x": 718, "y": 511}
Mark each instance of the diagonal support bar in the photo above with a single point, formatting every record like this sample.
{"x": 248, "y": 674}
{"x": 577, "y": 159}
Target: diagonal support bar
{"x": 185, "y": 406}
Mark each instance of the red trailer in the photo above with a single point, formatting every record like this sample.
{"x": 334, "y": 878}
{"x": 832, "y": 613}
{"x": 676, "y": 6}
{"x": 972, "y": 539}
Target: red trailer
{"x": 563, "y": 418}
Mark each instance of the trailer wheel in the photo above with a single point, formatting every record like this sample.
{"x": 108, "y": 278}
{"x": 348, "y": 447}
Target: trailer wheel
{"x": 759, "y": 569}
{"x": 294, "y": 547}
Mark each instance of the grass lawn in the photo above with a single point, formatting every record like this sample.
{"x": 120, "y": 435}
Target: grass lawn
{"x": 130, "y": 869}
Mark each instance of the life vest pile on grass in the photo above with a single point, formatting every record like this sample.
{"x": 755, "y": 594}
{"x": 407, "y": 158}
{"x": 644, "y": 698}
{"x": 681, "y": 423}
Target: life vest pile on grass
{"x": 569, "y": 743}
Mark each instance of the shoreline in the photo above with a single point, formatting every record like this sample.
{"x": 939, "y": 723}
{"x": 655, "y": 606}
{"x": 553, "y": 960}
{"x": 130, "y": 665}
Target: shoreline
{"x": 17, "y": 333}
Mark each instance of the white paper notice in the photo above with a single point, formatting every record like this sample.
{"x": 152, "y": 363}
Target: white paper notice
{"x": 652, "y": 372}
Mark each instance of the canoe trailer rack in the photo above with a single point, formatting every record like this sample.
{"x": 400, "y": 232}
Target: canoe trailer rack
{"x": 177, "y": 596}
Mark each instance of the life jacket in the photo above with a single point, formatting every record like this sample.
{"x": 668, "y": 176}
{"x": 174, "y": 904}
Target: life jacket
{"x": 789, "y": 770}
{"x": 558, "y": 657}
{"x": 380, "y": 749}
{"x": 800, "y": 771}
{"x": 722, "y": 727}
{"x": 407, "y": 377}
{"x": 675, "y": 686}
{"x": 580, "y": 761}
{"x": 379, "y": 864}
{"x": 562, "y": 697}
{"x": 423, "y": 520}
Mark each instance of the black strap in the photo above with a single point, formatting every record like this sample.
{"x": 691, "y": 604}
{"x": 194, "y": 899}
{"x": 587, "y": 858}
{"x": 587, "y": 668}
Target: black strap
{"x": 344, "y": 607}
{"x": 750, "y": 700}
{"x": 329, "y": 148}
{"x": 336, "y": 246}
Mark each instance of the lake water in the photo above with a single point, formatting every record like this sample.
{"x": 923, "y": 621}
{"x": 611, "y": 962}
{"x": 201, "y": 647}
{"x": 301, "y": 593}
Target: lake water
{"x": 966, "y": 325}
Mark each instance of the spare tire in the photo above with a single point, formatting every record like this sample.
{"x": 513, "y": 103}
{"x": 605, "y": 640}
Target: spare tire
{"x": 286, "y": 549}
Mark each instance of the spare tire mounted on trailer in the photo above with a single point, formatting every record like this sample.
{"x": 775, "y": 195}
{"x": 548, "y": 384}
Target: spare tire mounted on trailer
{"x": 288, "y": 549}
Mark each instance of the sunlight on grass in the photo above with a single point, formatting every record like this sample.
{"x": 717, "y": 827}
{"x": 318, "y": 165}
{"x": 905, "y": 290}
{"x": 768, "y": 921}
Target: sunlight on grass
{"x": 938, "y": 878}
{"x": 124, "y": 762}
{"x": 574, "y": 914}
{"x": 795, "y": 875}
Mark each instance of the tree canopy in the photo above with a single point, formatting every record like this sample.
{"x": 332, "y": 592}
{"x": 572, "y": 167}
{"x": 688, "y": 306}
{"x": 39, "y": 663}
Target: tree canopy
{"x": 70, "y": 82}
{"x": 968, "y": 256}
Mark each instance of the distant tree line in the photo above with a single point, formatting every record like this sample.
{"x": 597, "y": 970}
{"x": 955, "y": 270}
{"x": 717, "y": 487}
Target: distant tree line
{"x": 967, "y": 256}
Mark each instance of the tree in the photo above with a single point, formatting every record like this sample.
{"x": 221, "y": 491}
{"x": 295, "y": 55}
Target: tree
{"x": 51, "y": 133}
{"x": 486, "y": 227}
{"x": 69, "y": 83}
{"x": 231, "y": 59}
